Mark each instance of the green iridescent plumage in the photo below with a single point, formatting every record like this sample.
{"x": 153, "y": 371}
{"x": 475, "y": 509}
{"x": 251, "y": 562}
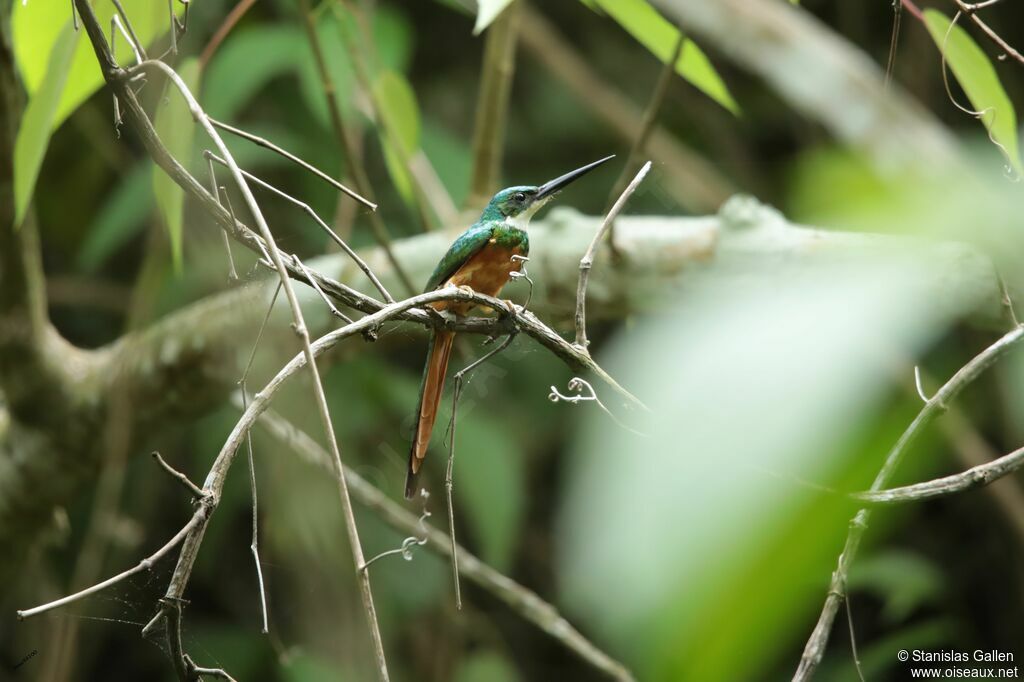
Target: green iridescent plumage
{"x": 508, "y": 203}
{"x": 497, "y": 237}
{"x": 471, "y": 241}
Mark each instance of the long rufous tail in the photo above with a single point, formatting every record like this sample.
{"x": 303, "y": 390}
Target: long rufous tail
{"x": 438, "y": 351}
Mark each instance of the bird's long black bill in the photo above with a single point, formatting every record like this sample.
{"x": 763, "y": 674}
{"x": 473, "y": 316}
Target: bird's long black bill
{"x": 554, "y": 186}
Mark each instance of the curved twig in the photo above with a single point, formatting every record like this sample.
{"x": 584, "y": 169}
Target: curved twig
{"x": 814, "y": 650}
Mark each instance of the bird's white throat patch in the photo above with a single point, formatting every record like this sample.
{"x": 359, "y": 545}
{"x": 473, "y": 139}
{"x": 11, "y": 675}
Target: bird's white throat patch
{"x": 522, "y": 221}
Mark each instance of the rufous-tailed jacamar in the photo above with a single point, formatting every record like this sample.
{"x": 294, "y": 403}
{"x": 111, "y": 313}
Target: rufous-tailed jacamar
{"x": 481, "y": 258}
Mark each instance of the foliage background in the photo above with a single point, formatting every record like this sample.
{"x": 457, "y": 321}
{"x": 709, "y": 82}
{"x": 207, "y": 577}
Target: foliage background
{"x": 677, "y": 570}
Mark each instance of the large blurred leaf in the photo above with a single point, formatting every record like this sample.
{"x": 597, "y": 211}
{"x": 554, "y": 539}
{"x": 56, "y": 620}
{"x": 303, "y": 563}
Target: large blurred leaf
{"x": 400, "y": 131}
{"x": 487, "y": 12}
{"x": 120, "y": 218}
{"x": 979, "y": 81}
{"x": 701, "y": 530}
{"x": 246, "y": 62}
{"x": 37, "y": 27}
{"x": 176, "y": 128}
{"x": 38, "y": 120}
{"x": 658, "y": 35}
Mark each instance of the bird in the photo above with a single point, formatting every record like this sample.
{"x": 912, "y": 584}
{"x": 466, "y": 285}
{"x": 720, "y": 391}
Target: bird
{"x": 483, "y": 259}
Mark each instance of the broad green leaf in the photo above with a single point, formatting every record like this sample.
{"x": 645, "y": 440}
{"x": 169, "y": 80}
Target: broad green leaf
{"x": 658, "y": 35}
{"x": 37, "y": 120}
{"x": 487, "y": 12}
{"x": 978, "y": 78}
{"x": 400, "y": 132}
{"x": 701, "y": 529}
{"x": 36, "y": 27}
{"x": 176, "y": 128}
{"x": 121, "y": 217}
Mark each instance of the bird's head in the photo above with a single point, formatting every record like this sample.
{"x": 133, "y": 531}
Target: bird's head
{"x": 519, "y": 203}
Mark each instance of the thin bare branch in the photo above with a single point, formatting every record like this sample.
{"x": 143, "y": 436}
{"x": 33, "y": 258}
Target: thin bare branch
{"x": 588, "y": 258}
{"x": 191, "y": 547}
{"x": 319, "y": 221}
{"x": 450, "y": 469}
{"x": 133, "y": 40}
{"x": 689, "y": 178}
{"x": 639, "y": 145}
{"x": 421, "y": 175}
{"x": 196, "y": 491}
{"x": 319, "y": 291}
{"x": 259, "y": 335}
{"x": 894, "y": 40}
{"x": 971, "y": 11}
{"x": 254, "y": 546}
{"x": 814, "y": 650}
{"x": 226, "y": 26}
{"x": 222, "y": 193}
{"x": 267, "y": 144}
{"x": 576, "y": 359}
{"x": 143, "y": 565}
{"x": 348, "y": 146}
{"x": 521, "y": 600}
{"x": 975, "y": 477}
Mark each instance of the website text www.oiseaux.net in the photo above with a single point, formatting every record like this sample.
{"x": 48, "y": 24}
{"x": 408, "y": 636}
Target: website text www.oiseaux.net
{"x": 945, "y": 665}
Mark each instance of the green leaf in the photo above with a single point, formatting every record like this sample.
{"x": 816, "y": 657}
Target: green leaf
{"x": 978, "y": 78}
{"x": 658, "y": 35}
{"x": 400, "y": 132}
{"x": 37, "y": 26}
{"x": 487, "y": 12}
{"x": 37, "y": 121}
{"x": 246, "y": 62}
{"x": 452, "y": 159}
{"x": 121, "y": 216}
{"x": 699, "y": 529}
{"x": 486, "y": 666}
{"x": 176, "y": 128}
{"x": 904, "y": 580}
{"x": 392, "y": 42}
{"x": 489, "y": 478}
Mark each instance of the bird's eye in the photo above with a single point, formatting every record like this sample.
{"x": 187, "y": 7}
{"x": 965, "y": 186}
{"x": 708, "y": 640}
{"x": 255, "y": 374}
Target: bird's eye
{"x": 519, "y": 196}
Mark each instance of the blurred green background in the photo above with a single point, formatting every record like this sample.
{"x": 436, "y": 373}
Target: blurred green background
{"x": 694, "y": 551}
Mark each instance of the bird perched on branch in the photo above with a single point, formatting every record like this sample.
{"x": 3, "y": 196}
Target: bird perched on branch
{"x": 482, "y": 258}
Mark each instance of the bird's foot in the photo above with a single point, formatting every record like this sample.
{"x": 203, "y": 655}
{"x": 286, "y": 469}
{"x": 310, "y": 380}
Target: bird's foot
{"x": 468, "y": 290}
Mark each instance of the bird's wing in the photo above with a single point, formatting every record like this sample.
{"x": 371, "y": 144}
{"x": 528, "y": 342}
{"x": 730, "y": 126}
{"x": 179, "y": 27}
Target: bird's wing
{"x": 461, "y": 250}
